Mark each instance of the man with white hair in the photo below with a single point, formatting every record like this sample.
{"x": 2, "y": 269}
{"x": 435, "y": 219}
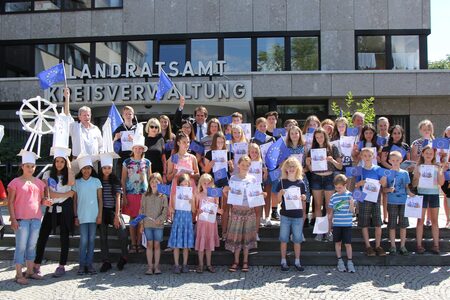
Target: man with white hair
{"x": 86, "y": 137}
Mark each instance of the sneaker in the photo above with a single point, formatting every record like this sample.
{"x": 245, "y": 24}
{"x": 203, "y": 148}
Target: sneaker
{"x": 319, "y": 237}
{"x": 91, "y": 270}
{"x": 393, "y": 251}
{"x": 350, "y": 267}
{"x": 380, "y": 251}
{"x": 329, "y": 237}
{"x": 60, "y": 271}
{"x": 299, "y": 268}
{"x": 404, "y": 251}
{"x": 428, "y": 223}
{"x": 176, "y": 270}
{"x": 263, "y": 222}
{"x": 268, "y": 222}
{"x": 81, "y": 270}
{"x": 341, "y": 266}
{"x": 284, "y": 267}
{"x": 257, "y": 238}
{"x": 106, "y": 266}
{"x": 370, "y": 252}
{"x": 275, "y": 215}
{"x": 185, "y": 269}
{"x": 122, "y": 262}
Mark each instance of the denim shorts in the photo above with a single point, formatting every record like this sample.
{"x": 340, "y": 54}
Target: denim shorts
{"x": 322, "y": 182}
{"x": 290, "y": 226}
{"x": 431, "y": 201}
{"x": 154, "y": 234}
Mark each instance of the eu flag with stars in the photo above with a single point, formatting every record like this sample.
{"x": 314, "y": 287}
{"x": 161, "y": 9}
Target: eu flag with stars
{"x": 115, "y": 117}
{"x": 273, "y": 153}
{"x": 51, "y": 76}
{"x": 164, "y": 85}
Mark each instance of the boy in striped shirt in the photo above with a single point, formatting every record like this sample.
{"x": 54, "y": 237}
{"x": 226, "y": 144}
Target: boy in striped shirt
{"x": 340, "y": 214}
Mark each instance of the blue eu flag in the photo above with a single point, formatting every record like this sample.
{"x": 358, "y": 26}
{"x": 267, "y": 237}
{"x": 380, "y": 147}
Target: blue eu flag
{"x": 164, "y": 85}
{"x": 115, "y": 117}
{"x": 51, "y": 76}
{"x": 273, "y": 153}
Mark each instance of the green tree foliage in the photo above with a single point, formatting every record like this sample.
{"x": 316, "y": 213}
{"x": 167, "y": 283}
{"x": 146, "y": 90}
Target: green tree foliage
{"x": 304, "y": 53}
{"x": 364, "y": 106}
{"x": 272, "y": 60}
{"x": 440, "y": 64}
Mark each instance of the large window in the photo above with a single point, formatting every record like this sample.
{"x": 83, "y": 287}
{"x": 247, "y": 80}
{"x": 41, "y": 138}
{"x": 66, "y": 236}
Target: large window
{"x": 405, "y": 52}
{"x": 203, "y": 50}
{"x": 238, "y": 55}
{"x": 109, "y": 53}
{"x": 46, "y": 56}
{"x": 17, "y": 61}
{"x": 140, "y": 52}
{"x": 13, "y": 6}
{"x": 173, "y": 53}
{"x": 304, "y": 53}
{"x": 270, "y": 54}
{"x": 371, "y": 52}
{"x": 47, "y": 5}
{"x": 77, "y": 55}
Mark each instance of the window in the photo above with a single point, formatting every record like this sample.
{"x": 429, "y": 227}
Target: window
{"x": 140, "y": 52}
{"x": 12, "y": 6}
{"x": 371, "y": 52}
{"x": 77, "y": 55}
{"x": 237, "y": 54}
{"x": 47, "y": 5}
{"x": 109, "y": 53}
{"x": 173, "y": 53}
{"x": 270, "y": 54}
{"x": 108, "y": 3}
{"x": 405, "y": 52}
{"x": 17, "y": 61}
{"x": 77, "y": 4}
{"x": 46, "y": 56}
{"x": 304, "y": 53}
{"x": 204, "y": 50}
{"x": 17, "y": 6}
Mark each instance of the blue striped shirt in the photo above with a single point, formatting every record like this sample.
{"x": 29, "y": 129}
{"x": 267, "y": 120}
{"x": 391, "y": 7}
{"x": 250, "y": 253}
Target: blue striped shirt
{"x": 340, "y": 203}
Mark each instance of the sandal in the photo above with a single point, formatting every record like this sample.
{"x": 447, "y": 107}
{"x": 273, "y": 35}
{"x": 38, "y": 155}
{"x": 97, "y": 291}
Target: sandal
{"x": 199, "y": 269}
{"x": 157, "y": 271}
{"x": 210, "y": 269}
{"x": 245, "y": 267}
{"x": 234, "y": 267}
{"x": 149, "y": 271}
{"x": 33, "y": 276}
{"x": 133, "y": 249}
{"x": 21, "y": 280}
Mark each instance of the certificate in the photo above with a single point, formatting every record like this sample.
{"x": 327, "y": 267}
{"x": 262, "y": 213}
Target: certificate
{"x": 209, "y": 211}
{"x": 427, "y": 179}
{"x": 372, "y": 190}
{"x": 220, "y": 160}
{"x": 346, "y": 145}
{"x": 413, "y": 207}
{"x": 292, "y": 198}
{"x": 254, "y": 195}
{"x": 321, "y": 225}
{"x": 239, "y": 149}
{"x": 183, "y": 198}
{"x": 319, "y": 159}
{"x": 308, "y": 140}
{"x": 236, "y": 194}
{"x": 247, "y": 128}
{"x": 256, "y": 170}
{"x": 264, "y": 148}
{"x": 126, "y": 139}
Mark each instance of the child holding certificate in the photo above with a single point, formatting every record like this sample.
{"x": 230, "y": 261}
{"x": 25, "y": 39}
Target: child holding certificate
{"x": 259, "y": 170}
{"x": 182, "y": 232}
{"x": 292, "y": 196}
{"x": 428, "y": 177}
{"x": 207, "y": 237}
{"x": 322, "y": 164}
{"x": 241, "y": 233}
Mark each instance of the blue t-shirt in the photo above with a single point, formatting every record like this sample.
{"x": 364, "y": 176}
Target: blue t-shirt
{"x": 87, "y": 203}
{"x": 399, "y": 182}
{"x": 340, "y": 204}
{"x": 369, "y": 173}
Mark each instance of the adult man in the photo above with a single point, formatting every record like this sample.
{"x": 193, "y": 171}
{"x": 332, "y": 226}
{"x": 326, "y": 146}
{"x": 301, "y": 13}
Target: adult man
{"x": 86, "y": 137}
{"x": 200, "y": 115}
{"x": 358, "y": 120}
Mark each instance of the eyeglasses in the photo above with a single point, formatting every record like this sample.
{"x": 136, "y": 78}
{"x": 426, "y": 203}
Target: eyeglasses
{"x": 153, "y": 127}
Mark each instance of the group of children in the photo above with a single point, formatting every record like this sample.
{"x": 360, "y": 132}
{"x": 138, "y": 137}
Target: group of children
{"x": 90, "y": 199}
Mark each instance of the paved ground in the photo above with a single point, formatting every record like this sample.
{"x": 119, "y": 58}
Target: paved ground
{"x": 260, "y": 283}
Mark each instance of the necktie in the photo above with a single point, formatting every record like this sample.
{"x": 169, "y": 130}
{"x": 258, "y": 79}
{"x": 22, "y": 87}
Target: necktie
{"x": 200, "y": 132}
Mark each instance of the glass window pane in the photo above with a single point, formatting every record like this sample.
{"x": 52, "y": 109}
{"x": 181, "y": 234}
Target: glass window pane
{"x": 108, "y": 3}
{"x": 77, "y": 4}
{"x": 270, "y": 53}
{"x": 15, "y": 6}
{"x": 45, "y": 56}
{"x": 237, "y": 54}
{"x": 47, "y": 5}
{"x": 140, "y": 52}
{"x": 304, "y": 53}
{"x": 17, "y": 61}
{"x": 405, "y": 52}
{"x": 204, "y": 50}
{"x": 108, "y": 53}
{"x": 173, "y": 52}
{"x": 371, "y": 52}
{"x": 77, "y": 55}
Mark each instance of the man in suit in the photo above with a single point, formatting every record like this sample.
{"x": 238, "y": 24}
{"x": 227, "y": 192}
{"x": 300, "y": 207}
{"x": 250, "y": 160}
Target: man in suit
{"x": 200, "y": 115}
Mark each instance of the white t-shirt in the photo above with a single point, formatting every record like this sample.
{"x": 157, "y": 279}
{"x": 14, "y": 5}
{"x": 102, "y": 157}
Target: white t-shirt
{"x": 60, "y": 188}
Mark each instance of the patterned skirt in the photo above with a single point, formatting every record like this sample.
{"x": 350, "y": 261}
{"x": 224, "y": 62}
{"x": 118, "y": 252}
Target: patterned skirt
{"x": 182, "y": 232}
{"x": 207, "y": 237}
{"x": 241, "y": 232}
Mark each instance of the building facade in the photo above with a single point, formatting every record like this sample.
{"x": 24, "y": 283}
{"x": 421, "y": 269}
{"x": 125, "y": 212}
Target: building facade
{"x": 293, "y": 56}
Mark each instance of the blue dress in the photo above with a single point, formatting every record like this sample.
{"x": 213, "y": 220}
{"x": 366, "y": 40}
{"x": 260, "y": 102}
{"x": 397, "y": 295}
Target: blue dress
{"x": 182, "y": 232}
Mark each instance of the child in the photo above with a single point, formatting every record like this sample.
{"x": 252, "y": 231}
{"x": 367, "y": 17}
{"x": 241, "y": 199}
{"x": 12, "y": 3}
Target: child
{"x": 368, "y": 138}
{"x": 396, "y": 137}
{"x": 207, "y": 236}
{"x": 340, "y": 213}
{"x": 59, "y": 181}
{"x": 88, "y": 208}
{"x": 111, "y": 196}
{"x": 154, "y": 207}
{"x": 426, "y": 131}
{"x": 446, "y": 186}
{"x": 241, "y": 233}
{"x": 25, "y": 196}
{"x": 291, "y": 222}
{"x": 430, "y": 196}
{"x": 135, "y": 173}
{"x": 254, "y": 152}
{"x": 328, "y": 126}
{"x": 397, "y": 190}
{"x": 182, "y": 232}
{"x": 383, "y": 127}
{"x": 272, "y": 119}
{"x": 370, "y": 210}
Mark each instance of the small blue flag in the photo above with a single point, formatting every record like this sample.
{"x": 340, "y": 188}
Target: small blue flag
{"x": 275, "y": 174}
{"x": 228, "y": 137}
{"x": 164, "y": 85}
{"x": 279, "y": 131}
{"x": 441, "y": 143}
{"x": 214, "y": 192}
{"x": 353, "y": 171}
{"x": 52, "y": 183}
{"x": 447, "y": 175}
{"x": 360, "y": 145}
{"x": 390, "y": 174}
{"x": 225, "y": 120}
{"x": 381, "y": 141}
{"x": 273, "y": 153}
{"x": 399, "y": 149}
{"x": 260, "y": 136}
{"x": 311, "y": 130}
{"x": 425, "y": 142}
{"x": 196, "y": 147}
{"x": 117, "y": 146}
{"x": 49, "y": 77}
{"x": 174, "y": 158}
{"x": 169, "y": 146}
{"x": 136, "y": 220}
{"x": 285, "y": 152}
{"x": 358, "y": 195}
{"x": 341, "y": 113}
{"x": 164, "y": 189}
{"x": 352, "y": 131}
{"x": 220, "y": 174}
{"x": 115, "y": 117}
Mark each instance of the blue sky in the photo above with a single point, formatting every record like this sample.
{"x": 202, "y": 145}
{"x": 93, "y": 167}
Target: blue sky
{"x": 439, "y": 39}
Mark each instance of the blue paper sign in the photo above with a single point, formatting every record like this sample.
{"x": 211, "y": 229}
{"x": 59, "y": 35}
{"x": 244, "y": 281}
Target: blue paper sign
{"x": 260, "y": 136}
{"x": 52, "y": 183}
{"x": 275, "y": 174}
{"x": 381, "y": 141}
{"x": 311, "y": 130}
{"x": 174, "y": 158}
{"x": 447, "y": 175}
{"x": 214, "y": 192}
{"x": 136, "y": 220}
{"x": 169, "y": 146}
{"x": 399, "y": 149}
{"x": 228, "y": 137}
{"x": 225, "y": 120}
{"x": 441, "y": 143}
{"x": 352, "y": 131}
{"x": 196, "y": 147}
{"x": 360, "y": 145}
{"x": 164, "y": 189}
{"x": 353, "y": 171}
{"x": 279, "y": 131}
{"x": 220, "y": 174}
{"x": 358, "y": 195}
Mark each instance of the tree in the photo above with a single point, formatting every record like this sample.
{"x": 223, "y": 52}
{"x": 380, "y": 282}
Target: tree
{"x": 440, "y": 64}
{"x": 364, "y": 106}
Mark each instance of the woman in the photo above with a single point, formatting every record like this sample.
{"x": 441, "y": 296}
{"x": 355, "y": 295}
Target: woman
{"x": 156, "y": 147}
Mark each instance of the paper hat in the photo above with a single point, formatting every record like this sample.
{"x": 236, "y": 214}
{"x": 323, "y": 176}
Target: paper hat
{"x": 28, "y": 157}
{"x": 84, "y": 160}
{"x": 106, "y": 159}
{"x": 139, "y": 140}
{"x": 60, "y": 152}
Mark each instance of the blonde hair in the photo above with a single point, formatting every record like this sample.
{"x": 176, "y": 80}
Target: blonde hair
{"x": 427, "y": 123}
{"x": 396, "y": 154}
{"x": 156, "y": 176}
{"x": 245, "y": 158}
{"x": 126, "y": 107}
{"x": 241, "y": 132}
{"x": 367, "y": 150}
{"x": 256, "y": 147}
{"x": 292, "y": 161}
{"x": 260, "y": 120}
{"x": 340, "y": 179}
{"x": 153, "y": 121}
{"x": 204, "y": 178}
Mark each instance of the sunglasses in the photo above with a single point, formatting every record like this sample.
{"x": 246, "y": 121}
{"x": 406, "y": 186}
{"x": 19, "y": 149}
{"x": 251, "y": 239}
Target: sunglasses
{"x": 153, "y": 127}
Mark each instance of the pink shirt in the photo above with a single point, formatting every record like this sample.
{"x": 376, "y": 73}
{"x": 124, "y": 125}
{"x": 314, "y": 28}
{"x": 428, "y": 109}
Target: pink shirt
{"x": 27, "y": 202}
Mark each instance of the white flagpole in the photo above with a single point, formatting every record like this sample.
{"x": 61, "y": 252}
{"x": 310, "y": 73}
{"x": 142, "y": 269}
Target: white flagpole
{"x": 66, "y": 101}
